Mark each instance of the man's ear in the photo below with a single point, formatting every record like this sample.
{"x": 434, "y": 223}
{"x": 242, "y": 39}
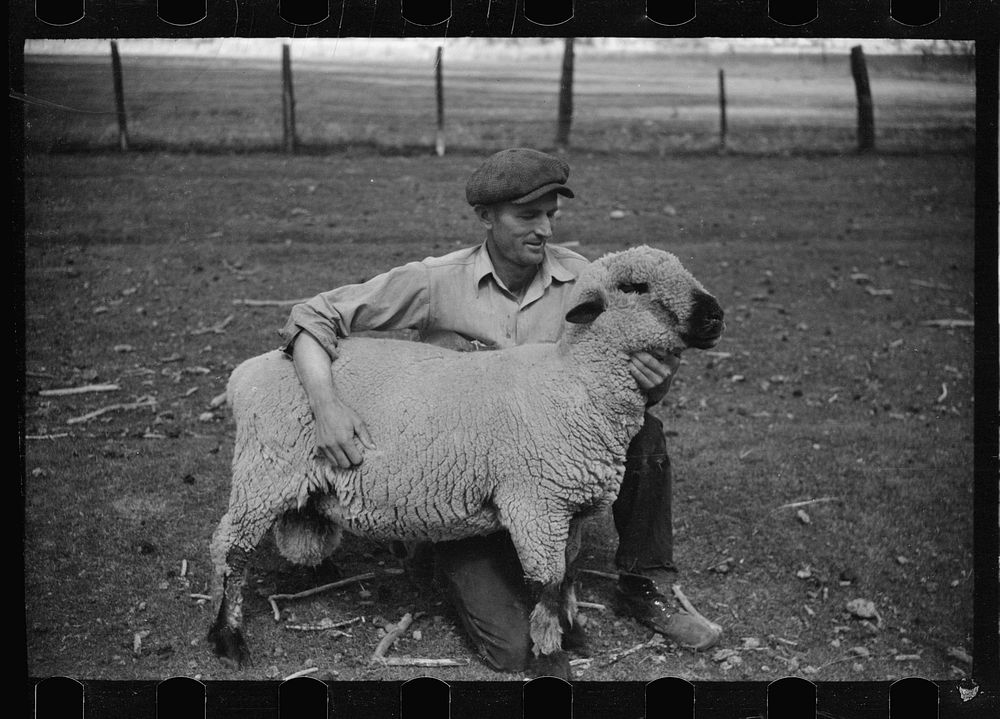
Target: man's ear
{"x": 485, "y": 215}
{"x": 588, "y": 308}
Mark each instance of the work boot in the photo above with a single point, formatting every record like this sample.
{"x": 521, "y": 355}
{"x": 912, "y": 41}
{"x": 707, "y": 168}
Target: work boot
{"x": 639, "y": 598}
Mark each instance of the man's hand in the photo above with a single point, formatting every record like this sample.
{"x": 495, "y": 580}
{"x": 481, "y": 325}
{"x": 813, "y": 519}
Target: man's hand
{"x": 652, "y": 375}
{"x": 341, "y": 435}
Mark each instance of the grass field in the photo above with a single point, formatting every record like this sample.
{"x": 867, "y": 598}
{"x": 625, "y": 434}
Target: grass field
{"x": 831, "y": 390}
{"x": 648, "y": 103}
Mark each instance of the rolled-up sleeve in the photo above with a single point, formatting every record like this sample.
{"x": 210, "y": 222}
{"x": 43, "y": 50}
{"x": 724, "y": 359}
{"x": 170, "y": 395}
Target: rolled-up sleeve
{"x": 395, "y": 300}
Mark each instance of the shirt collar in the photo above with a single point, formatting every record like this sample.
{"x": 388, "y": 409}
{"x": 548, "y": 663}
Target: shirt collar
{"x": 551, "y": 269}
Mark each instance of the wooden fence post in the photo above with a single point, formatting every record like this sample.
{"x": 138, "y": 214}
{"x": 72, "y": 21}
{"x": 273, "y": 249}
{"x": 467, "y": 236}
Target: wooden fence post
{"x": 722, "y": 109}
{"x": 288, "y": 100}
{"x": 116, "y": 71}
{"x": 565, "y": 97}
{"x": 439, "y": 85}
{"x": 866, "y": 117}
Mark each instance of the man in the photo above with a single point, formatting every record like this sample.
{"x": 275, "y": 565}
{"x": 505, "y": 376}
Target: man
{"x": 512, "y": 289}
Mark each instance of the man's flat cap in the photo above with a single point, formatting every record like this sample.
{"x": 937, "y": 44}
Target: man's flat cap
{"x": 517, "y": 175}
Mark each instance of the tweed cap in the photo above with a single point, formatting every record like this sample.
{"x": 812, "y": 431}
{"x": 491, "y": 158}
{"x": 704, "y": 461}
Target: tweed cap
{"x": 517, "y": 175}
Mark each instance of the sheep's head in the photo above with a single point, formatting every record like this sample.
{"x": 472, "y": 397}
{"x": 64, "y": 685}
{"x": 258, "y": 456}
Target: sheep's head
{"x": 647, "y": 300}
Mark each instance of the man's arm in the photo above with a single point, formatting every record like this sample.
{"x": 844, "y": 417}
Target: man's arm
{"x": 341, "y": 435}
{"x": 396, "y": 299}
{"x": 653, "y": 376}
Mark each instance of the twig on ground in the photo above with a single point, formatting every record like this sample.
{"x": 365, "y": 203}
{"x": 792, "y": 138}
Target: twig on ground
{"x": 378, "y": 656}
{"x": 218, "y": 328}
{"x": 422, "y": 662}
{"x": 273, "y": 599}
{"x": 147, "y": 401}
{"x": 793, "y": 505}
{"x": 301, "y": 673}
{"x": 200, "y": 596}
{"x": 78, "y": 390}
{"x": 591, "y": 605}
{"x": 269, "y": 303}
{"x": 656, "y": 640}
{"x": 322, "y": 625}
{"x": 47, "y": 436}
{"x": 218, "y": 400}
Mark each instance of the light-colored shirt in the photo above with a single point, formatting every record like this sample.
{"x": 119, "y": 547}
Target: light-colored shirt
{"x": 458, "y": 292}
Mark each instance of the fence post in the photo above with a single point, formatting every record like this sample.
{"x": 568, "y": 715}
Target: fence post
{"x": 866, "y": 117}
{"x": 565, "y": 97}
{"x": 439, "y": 85}
{"x": 722, "y": 109}
{"x": 116, "y": 71}
{"x": 288, "y": 100}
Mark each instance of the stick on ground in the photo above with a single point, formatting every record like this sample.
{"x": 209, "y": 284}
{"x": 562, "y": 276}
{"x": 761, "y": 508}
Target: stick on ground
{"x": 422, "y": 662}
{"x": 148, "y": 401}
{"x": 391, "y": 636}
{"x": 273, "y": 599}
{"x": 78, "y": 390}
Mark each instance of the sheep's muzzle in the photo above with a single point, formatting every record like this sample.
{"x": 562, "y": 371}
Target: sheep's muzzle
{"x": 706, "y": 323}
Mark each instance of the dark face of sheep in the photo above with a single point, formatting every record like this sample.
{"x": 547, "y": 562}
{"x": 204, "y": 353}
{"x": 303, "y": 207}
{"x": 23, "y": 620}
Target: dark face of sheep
{"x": 659, "y": 305}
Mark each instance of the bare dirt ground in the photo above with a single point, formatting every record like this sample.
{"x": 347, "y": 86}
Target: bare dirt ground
{"x": 822, "y": 455}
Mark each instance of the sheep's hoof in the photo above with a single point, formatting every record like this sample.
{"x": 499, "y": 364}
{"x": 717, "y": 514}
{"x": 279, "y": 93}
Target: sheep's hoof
{"x": 551, "y": 665}
{"x": 574, "y": 640}
{"x": 230, "y": 647}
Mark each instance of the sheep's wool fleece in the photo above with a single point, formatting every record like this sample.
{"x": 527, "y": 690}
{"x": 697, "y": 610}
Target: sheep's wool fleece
{"x": 442, "y": 437}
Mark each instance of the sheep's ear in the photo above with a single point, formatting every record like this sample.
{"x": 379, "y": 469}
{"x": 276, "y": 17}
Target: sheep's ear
{"x": 586, "y": 311}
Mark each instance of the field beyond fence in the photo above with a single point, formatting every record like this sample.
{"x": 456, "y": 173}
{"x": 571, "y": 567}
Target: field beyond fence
{"x": 621, "y": 103}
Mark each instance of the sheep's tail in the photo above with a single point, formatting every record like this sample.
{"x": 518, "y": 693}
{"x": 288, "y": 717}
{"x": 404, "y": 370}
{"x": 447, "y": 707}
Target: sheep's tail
{"x": 310, "y": 534}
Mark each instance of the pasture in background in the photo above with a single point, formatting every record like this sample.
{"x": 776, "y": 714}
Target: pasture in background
{"x": 655, "y": 102}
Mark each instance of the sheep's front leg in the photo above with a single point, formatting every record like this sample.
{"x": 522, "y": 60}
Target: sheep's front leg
{"x": 573, "y": 635}
{"x": 540, "y": 538}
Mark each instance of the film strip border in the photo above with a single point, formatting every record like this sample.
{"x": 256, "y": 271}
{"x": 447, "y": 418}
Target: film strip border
{"x": 542, "y": 698}
{"x": 304, "y": 697}
{"x": 955, "y": 19}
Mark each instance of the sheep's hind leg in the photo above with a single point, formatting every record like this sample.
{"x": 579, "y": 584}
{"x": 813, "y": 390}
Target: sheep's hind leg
{"x": 230, "y": 564}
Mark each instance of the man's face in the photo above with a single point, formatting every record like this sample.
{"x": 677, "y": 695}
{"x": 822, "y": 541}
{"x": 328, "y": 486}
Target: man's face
{"x": 519, "y": 232}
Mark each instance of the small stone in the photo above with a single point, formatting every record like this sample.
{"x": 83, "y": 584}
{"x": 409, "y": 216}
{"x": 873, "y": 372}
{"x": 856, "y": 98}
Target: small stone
{"x": 862, "y": 608}
{"x": 723, "y": 655}
{"x": 616, "y": 214}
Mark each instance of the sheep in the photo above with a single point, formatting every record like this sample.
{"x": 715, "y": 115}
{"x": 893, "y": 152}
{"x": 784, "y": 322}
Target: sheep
{"x": 529, "y": 439}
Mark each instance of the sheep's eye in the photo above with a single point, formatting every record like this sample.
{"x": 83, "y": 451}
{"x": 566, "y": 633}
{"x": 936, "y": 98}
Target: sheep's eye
{"x": 638, "y": 288}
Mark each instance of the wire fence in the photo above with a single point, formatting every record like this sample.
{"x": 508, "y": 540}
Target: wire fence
{"x": 643, "y": 103}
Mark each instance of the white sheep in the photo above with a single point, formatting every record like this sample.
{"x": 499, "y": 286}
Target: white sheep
{"x": 527, "y": 439}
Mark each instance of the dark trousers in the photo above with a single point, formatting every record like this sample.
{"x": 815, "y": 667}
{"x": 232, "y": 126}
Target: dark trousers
{"x": 484, "y": 581}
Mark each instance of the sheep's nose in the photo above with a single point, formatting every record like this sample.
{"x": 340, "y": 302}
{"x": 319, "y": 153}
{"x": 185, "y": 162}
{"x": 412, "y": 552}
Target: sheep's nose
{"x": 707, "y": 320}
{"x": 708, "y": 314}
